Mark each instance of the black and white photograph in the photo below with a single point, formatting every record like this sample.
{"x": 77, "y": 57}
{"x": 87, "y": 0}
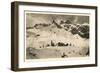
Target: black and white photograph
{"x": 52, "y": 36}
{"x": 56, "y": 35}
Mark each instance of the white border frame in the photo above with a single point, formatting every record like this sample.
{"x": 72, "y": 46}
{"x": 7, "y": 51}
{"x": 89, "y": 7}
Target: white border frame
{"x": 46, "y": 63}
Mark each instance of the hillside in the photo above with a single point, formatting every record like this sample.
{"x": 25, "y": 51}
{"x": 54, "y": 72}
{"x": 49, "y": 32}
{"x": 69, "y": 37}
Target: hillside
{"x": 46, "y": 37}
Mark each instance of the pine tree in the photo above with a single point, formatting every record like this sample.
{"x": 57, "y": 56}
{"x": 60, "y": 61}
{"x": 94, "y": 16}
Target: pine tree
{"x": 52, "y": 43}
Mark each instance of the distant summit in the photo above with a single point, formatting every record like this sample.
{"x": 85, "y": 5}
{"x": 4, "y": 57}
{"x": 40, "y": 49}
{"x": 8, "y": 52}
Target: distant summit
{"x": 80, "y": 29}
